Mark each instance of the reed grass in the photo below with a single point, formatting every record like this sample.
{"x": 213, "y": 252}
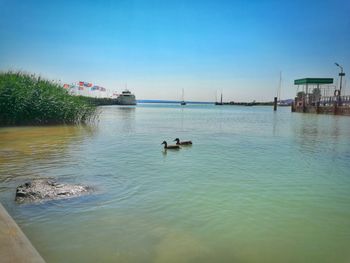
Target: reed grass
{"x": 28, "y": 99}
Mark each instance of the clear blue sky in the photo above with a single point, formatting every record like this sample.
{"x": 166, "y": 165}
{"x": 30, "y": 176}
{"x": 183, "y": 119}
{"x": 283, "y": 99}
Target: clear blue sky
{"x": 160, "y": 47}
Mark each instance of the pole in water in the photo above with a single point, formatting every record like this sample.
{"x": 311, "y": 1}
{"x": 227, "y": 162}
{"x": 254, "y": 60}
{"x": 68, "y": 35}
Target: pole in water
{"x": 275, "y": 104}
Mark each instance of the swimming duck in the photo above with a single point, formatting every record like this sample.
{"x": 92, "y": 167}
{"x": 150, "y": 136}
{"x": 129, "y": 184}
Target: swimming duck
{"x": 170, "y": 147}
{"x": 177, "y": 140}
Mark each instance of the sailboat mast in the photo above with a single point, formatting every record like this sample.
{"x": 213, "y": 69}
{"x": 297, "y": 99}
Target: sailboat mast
{"x": 279, "y": 87}
{"x": 221, "y": 98}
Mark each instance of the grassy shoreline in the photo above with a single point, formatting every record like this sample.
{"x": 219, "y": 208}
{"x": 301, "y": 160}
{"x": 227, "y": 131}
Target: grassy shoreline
{"x": 26, "y": 99}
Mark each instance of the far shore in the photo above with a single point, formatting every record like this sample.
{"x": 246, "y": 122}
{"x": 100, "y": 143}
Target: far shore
{"x": 254, "y": 103}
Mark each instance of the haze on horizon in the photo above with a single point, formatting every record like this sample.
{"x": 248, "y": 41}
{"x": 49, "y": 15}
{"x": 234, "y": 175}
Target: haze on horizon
{"x": 161, "y": 47}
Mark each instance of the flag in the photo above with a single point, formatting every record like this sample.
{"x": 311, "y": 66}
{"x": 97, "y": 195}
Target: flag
{"x": 81, "y": 83}
{"x": 95, "y": 88}
{"x": 89, "y": 84}
{"x": 65, "y": 86}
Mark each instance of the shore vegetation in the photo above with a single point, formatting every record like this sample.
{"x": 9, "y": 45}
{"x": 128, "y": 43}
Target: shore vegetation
{"x": 27, "y": 99}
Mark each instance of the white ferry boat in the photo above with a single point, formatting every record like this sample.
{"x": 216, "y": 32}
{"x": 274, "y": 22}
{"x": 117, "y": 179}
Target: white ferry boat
{"x": 126, "y": 98}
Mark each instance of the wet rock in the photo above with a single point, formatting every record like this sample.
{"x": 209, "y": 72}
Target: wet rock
{"x": 44, "y": 189}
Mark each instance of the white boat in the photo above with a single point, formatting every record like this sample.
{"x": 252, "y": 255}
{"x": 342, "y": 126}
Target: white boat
{"x": 183, "y": 98}
{"x": 219, "y": 103}
{"x": 126, "y": 98}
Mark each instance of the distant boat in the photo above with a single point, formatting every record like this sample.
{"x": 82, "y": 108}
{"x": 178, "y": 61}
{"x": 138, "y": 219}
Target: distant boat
{"x": 250, "y": 103}
{"x": 219, "y": 103}
{"x": 285, "y": 102}
{"x": 183, "y": 98}
{"x": 126, "y": 98}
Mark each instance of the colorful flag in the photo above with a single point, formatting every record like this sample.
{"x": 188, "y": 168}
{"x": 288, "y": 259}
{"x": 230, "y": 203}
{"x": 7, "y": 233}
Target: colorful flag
{"x": 81, "y": 83}
{"x": 65, "y": 86}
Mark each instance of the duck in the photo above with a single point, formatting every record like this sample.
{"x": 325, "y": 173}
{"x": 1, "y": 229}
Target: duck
{"x": 177, "y": 140}
{"x": 170, "y": 147}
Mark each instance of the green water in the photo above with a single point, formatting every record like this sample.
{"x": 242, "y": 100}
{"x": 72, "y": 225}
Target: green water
{"x": 256, "y": 186}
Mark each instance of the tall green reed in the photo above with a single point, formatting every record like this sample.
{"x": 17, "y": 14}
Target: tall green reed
{"x": 28, "y": 99}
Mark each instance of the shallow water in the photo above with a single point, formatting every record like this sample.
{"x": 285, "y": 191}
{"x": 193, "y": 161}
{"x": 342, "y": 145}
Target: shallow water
{"x": 256, "y": 186}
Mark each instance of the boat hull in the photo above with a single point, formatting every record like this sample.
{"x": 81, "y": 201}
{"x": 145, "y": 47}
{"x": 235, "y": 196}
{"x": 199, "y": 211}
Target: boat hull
{"x": 126, "y": 100}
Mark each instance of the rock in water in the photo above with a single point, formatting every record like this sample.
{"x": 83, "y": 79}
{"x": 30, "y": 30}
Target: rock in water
{"x": 44, "y": 189}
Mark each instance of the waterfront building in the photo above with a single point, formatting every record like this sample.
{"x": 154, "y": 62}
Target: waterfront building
{"x": 320, "y": 95}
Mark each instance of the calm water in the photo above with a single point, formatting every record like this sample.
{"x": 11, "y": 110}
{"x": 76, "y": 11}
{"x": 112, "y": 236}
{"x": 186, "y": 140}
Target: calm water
{"x": 256, "y": 186}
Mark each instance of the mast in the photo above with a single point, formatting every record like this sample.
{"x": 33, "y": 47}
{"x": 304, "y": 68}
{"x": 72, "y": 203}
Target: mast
{"x": 183, "y": 98}
{"x": 279, "y": 87}
{"x": 216, "y": 101}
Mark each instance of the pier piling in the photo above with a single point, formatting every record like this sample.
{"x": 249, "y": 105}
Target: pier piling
{"x": 275, "y": 104}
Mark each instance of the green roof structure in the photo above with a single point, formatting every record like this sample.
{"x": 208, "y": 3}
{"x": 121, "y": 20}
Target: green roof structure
{"x": 313, "y": 81}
